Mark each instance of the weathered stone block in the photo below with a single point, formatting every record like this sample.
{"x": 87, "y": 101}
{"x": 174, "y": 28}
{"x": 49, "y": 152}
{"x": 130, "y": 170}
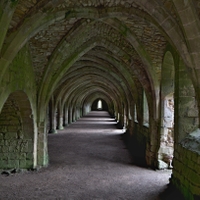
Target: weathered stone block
{"x": 177, "y": 164}
{"x": 22, "y": 156}
{"x": 13, "y": 129}
{"x": 29, "y": 156}
{"x": 13, "y": 156}
{"x": 1, "y": 156}
{"x": 195, "y": 190}
{"x": 194, "y": 156}
{"x": 186, "y": 183}
{"x": 197, "y": 168}
{"x": 14, "y": 149}
{"x": 10, "y": 135}
{"x": 29, "y": 164}
{"x": 194, "y": 178}
{"x": 191, "y": 164}
{"x": 3, "y": 164}
{"x": 24, "y": 147}
{"x": 13, "y": 164}
{"x": 22, "y": 164}
{"x": 7, "y": 142}
{"x": 11, "y": 142}
{"x": 4, "y": 156}
{"x": 177, "y": 176}
{"x": 4, "y": 149}
{"x": 176, "y": 154}
{"x": 30, "y": 146}
{"x": 1, "y": 136}
{"x": 1, "y": 142}
{"x": 198, "y": 160}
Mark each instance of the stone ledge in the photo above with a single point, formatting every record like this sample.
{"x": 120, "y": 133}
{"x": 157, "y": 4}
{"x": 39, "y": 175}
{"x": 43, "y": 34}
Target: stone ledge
{"x": 192, "y": 142}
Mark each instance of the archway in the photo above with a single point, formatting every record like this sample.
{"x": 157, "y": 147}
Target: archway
{"x": 166, "y": 150}
{"x": 17, "y": 133}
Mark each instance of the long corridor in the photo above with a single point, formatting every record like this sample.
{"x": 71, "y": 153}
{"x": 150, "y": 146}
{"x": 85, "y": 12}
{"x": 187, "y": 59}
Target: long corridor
{"x": 88, "y": 161}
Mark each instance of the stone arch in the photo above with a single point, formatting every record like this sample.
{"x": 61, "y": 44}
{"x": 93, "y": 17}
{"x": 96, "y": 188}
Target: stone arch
{"x": 72, "y": 88}
{"x": 70, "y": 81}
{"x": 17, "y": 134}
{"x": 83, "y": 93}
{"x": 64, "y": 67}
{"x": 88, "y": 44}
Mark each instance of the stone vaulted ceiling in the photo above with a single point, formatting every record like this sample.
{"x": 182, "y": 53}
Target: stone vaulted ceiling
{"x": 111, "y": 47}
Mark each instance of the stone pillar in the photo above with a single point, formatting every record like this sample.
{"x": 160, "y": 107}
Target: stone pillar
{"x": 70, "y": 115}
{"x": 185, "y": 174}
{"x": 42, "y": 147}
{"x": 66, "y": 122}
{"x": 186, "y": 109}
{"x": 132, "y": 120}
{"x": 74, "y": 114}
{"x": 81, "y": 111}
{"x": 86, "y": 109}
{"x": 77, "y": 112}
{"x": 52, "y": 116}
{"x": 152, "y": 144}
{"x": 60, "y": 116}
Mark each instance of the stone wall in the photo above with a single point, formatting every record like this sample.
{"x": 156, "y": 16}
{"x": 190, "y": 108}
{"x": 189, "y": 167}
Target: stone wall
{"x": 136, "y": 143}
{"x": 16, "y": 149}
{"x": 186, "y": 171}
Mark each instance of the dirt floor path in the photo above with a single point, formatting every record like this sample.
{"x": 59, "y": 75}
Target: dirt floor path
{"x": 88, "y": 161}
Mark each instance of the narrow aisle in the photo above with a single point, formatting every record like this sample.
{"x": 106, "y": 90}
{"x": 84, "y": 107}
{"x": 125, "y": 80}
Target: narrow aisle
{"x": 93, "y": 158}
{"x": 88, "y": 161}
{"x": 93, "y": 141}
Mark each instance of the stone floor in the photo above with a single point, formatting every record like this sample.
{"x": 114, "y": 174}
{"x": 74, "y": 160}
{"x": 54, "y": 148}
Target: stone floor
{"x": 88, "y": 161}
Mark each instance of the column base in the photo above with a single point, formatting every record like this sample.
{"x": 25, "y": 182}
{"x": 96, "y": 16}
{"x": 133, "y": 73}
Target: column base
{"x": 53, "y": 131}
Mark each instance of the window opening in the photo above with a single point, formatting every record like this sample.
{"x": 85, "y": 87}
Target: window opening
{"x": 135, "y": 114}
{"x": 99, "y": 105}
{"x": 146, "y": 111}
{"x": 167, "y": 137}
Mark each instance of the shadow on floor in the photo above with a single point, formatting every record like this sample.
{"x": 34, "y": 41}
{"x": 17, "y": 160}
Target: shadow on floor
{"x": 171, "y": 193}
{"x": 137, "y": 150}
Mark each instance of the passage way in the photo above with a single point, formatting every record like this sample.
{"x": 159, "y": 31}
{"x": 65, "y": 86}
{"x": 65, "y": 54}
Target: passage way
{"x": 88, "y": 160}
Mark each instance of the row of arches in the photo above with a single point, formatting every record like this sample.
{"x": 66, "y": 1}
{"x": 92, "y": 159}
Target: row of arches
{"x": 23, "y": 130}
